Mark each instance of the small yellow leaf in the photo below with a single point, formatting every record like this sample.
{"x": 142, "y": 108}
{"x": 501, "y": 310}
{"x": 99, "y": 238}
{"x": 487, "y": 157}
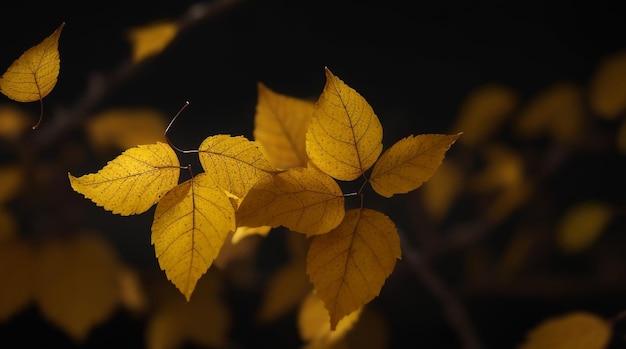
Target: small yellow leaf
{"x": 314, "y": 323}
{"x": 235, "y": 163}
{"x": 280, "y": 126}
{"x": 409, "y": 163}
{"x": 123, "y": 128}
{"x": 34, "y": 74}
{"x": 557, "y": 112}
{"x": 574, "y": 330}
{"x": 18, "y": 265}
{"x": 132, "y": 182}
{"x": 582, "y": 224}
{"x": 607, "y": 89}
{"x": 304, "y": 200}
{"x": 483, "y": 112}
{"x": 150, "y": 39}
{"x": 349, "y": 265}
{"x": 242, "y": 232}
{"x": 344, "y": 138}
{"x": 190, "y": 225}
{"x": 13, "y": 122}
{"x": 439, "y": 193}
{"x": 504, "y": 169}
{"x": 78, "y": 284}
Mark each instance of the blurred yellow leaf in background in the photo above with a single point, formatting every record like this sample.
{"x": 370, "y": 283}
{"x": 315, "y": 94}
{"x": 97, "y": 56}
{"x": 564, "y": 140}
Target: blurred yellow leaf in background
{"x": 19, "y": 274}
{"x": 582, "y": 224}
{"x": 149, "y": 40}
{"x": 344, "y": 138}
{"x": 13, "y": 122}
{"x": 574, "y": 330}
{"x": 441, "y": 190}
{"x": 607, "y": 88}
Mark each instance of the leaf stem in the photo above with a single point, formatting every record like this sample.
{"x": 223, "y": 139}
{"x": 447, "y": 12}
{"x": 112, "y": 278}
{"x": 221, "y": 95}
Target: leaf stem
{"x": 40, "y": 114}
{"x": 170, "y": 125}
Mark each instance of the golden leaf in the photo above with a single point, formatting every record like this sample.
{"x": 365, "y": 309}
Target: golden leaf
{"x": 344, "y": 138}
{"x": 302, "y": 199}
{"x": 203, "y": 321}
{"x": 607, "y": 89}
{"x": 235, "y": 163}
{"x": 574, "y": 330}
{"x": 582, "y": 224}
{"x": 190, "y": 225}
{"x": 483, "y": 112}
{"x": 13, "y": 122}
{"x": 134, "y": 181}
{"x": 557, "y": 112}
{"x": 18, "y": 263}
{"x": 242, "y": 232}
{"x": 439, "y": 193}
{"x": 150, "y": 39}
{"x": 280, "y": 126}
{"x": 123, "y": 128}
{"x": 314, "y": 323}
{"x": 409, "y": 163}
{"x": 79, "y": 284}
{"x": 34, "y": 74}
{"x": 349, "y": 265}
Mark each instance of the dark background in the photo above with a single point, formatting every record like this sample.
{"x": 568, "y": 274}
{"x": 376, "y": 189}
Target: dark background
{"x": 414, "y": 62}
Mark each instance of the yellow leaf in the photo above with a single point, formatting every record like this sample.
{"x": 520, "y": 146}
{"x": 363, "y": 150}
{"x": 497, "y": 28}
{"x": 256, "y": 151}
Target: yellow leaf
{"x": 557, "y": 112}
{"x": 18, "y": 265}
{"x": 235, "y": 163}
{"x": 483, "y": 112}
{"x": 134, "y": 181}
{"x": 344, "y": 138}
{"x": 504, "y": 169}
{"x": 582, "y": 224}
{"x": 607, "y": 89}
{"x": 150, "y": 39}
{"x": 574, "y": 330}
{"x": 439, "y": 193}
{"x": 34, "y": 74}
{"x": 409, "y": 163}
{"x": 349, "y": 265}
{"x": 123, "y": 128}
{"x": 280, "y": 126}
{"x": 287, "y": 287}
{"x": 242, "y": 232}
{"x": 13, "y": 122}
{"x": 203, "y": 321}
{"x": 78, "y": 284}
{"x": 302, "y": 199}
{"x": 190, "y": 225}
{"x": 132, "y": 295}
{"x": 314, "y": 323}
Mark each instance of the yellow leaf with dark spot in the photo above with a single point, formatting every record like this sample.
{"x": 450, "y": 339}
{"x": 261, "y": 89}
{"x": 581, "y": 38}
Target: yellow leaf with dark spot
{"x": 574, "y": 330}
{"x": 34, "y": 74}
{"x": 582, "y": 224}
{"x": 123, "y": 128}
{"x": 409, "y": 163}
{"x": 190, "y": 225}
{"x": 132, "y": 182}
{"x": 314, "y": 323}
{"x": 607, "y": 88}
{"x": 483, "y": 113}
{"x": 304, "y": 200}
{"x": 151, "y": 39}
{"x": 344, "y": 138}
{"x": 280, "y": 126}
{"x": 349, "y": 265}
{"x": 79, "y": 287}
{"x": 235, "y": 163}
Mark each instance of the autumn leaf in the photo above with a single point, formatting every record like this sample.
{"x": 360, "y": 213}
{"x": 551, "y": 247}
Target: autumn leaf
{"x": 242, "y": 232}
{"x": 235, "y": 163}
{"x": 582, "y": 224}
{"x": 18, "y": 266}
{"x": 574, "y": 330}
{"x": 34, "y": 74}
{"x": 314, "y": 323}
{"x": 132, "y": 182}
{"x": 78, "y": 284}
{"x": 344, "y": 138}
{"x": 349, "y": 265}
{"x": 607, "y": 88}
{"x": 148, "y": 40}
{"x": 13, "y": 122}
{"x": 280, "y": 126}
{"x": 304, "y": 200}
{"x": 190, "y": 225}
{"x": 409, "y": 163}
{"x": 483, "y": 112}
{"x": 441, "y": 190}
{"x": 123, "y": 128}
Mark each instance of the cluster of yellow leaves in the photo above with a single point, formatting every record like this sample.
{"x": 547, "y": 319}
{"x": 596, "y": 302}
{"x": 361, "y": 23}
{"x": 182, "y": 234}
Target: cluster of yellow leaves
{"x": 287, "y": 177}
{"x": 34, "y": 74}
